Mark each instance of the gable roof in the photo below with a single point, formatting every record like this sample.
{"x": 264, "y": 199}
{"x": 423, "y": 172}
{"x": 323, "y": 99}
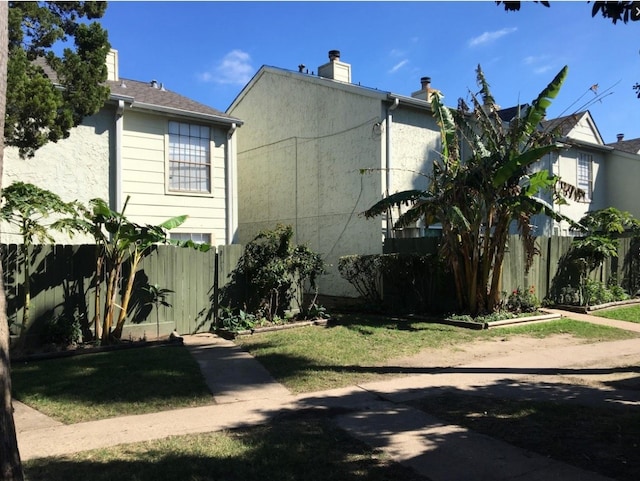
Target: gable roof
{"x": 631, "y": 146}
{"x": 508, "y": 114}
{"x": 153, "y": 96}
{"x": 564, "y": 124}
{"x": 150, "y": 96}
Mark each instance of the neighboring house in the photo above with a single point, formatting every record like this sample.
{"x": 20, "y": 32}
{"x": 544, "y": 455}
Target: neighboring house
{"x": 582, "y": 163}
{"x": 317, "y": 150}
{"x": 170, "y": 154}
{"x": 623, "y": 174}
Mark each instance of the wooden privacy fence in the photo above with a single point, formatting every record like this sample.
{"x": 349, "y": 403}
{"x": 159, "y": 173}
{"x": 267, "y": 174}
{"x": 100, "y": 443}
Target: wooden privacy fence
{"x": 61, "y": 284}
{"x": 545, "y": 265}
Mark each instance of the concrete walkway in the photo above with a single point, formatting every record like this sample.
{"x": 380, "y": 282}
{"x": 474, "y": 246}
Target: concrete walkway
{"x": 377, "y": 413}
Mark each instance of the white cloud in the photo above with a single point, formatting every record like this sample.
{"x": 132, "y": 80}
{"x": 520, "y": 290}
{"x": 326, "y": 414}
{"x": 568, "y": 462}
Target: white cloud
{"x": 540, "y": 64}
{"x": 234, "y": 68}
{"x": 398, "y": 66}
{"x": 488, "y": 37}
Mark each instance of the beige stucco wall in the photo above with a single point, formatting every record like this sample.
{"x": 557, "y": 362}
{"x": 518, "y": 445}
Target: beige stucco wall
{"x": 76, "y": 168}
{"x": 415, "y": 143}
{"x": 623, "y": 172}
{"x": 144, "y": 167}
{"x": 299, "y": 158}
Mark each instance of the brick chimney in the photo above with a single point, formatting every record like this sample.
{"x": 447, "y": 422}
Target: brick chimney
{"x": 335, "y": 69}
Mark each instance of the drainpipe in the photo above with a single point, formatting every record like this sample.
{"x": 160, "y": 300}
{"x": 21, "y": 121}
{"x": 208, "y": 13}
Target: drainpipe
{"x": 389, "y": 158}
{"x": 117, "y": 196}
{"x": 231, "y": 189}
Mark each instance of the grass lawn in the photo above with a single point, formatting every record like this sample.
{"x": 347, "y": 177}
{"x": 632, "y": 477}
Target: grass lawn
{"x": 108, "y": 384}
{"x": 628, "y": 313}
{"x": 304, "y": 449}
{"x": 605, "y": 440}
{"x": 355, "y": 349}
{"x": 137, "y": 381}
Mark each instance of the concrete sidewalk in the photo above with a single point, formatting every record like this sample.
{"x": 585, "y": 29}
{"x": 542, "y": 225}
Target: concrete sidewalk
{"x": 245, "y": 394}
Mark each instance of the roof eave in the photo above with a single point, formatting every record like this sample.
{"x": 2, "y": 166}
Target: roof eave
{"x": 582, "y": 143}
{"x": 187, "y": 113}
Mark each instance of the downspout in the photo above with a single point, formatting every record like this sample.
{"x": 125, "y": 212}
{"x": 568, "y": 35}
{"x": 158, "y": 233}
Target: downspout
{"x": 388, "y": 160}
{"x": 117, "y": 195}
{"x": 231, "y": 188}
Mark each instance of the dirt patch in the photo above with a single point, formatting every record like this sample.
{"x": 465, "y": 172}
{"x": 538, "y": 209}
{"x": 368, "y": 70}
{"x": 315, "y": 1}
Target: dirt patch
{"x": 483, "y": 349}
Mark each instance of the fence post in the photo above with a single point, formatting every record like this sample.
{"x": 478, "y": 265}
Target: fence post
{"x": 216, "y": 288}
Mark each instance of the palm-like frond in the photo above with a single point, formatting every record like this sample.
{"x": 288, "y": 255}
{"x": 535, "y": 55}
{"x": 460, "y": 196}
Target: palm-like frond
{"x": 404, "y": 198}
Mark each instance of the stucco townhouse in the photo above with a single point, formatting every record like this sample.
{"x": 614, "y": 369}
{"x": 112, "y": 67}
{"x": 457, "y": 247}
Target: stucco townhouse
{"x": 318, "y": 149}
{"x": 170, "y": 154}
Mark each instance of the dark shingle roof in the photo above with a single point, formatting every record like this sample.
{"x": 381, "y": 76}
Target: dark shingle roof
{"x": 632, "y": 146}
{"x": 562, "y": 124}
{"x": 155, "y": 95}
{"x": 146, "y": 93}
{"x": 509, "y": 113}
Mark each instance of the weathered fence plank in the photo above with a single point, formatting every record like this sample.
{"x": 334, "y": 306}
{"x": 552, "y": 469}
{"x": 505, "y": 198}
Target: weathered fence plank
{"x": 61, "y": 284}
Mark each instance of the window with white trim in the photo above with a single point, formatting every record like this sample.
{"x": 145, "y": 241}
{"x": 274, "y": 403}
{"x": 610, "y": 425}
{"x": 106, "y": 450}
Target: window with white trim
{"x": 585, "y": 174}
{"x": 189, "y": 157}
{"x": 195, "y": 237}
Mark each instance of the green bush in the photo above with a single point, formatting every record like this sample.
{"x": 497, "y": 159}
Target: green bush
{"x": 596, "y": 292}
{"x": 270, "y": 274}
{"x": 523, "y": 300}
{"x": 61, "y": 330}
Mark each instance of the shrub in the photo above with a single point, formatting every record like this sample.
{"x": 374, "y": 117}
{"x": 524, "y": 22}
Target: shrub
{"x": 270, "y": 274}
{"x": 62, "y": 330}
{"x": 596, "y": 292}
{"x": 523, "y": 300}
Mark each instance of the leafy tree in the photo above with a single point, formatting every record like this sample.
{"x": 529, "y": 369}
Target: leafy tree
{"x": 602, "y": 229}
{"x": 50, "y": 94}
{"x": 477, "y": 199}
{"x": 26, "y": 206}
{"x": 614, "y": 11}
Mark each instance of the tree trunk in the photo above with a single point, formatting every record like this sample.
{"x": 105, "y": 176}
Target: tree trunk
{"x": 10, "y": 465}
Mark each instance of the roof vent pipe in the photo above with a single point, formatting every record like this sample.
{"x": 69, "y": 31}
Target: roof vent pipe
{"x": 425, "y": 82}
{"x": 620, "y": 137}
{"x": 334, "y": 55}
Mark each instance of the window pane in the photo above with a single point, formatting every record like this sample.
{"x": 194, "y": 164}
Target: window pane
{"x": 189, "y": 157}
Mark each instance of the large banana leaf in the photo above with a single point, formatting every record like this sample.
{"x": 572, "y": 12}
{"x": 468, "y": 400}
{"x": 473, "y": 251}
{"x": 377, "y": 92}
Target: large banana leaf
{"x": 407, "y": 197}
{"x": 539, "y": 106}
{"x": 522, "y": 161}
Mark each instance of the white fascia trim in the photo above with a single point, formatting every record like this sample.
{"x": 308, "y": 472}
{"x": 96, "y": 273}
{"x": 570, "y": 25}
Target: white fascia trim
{"x": 186, "y": 113}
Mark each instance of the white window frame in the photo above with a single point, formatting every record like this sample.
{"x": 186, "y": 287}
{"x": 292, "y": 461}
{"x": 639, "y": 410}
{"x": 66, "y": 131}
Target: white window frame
{"x": 196, "y": 237}
{"x": 190, "y": 152}
{"x": 584, "y": 174}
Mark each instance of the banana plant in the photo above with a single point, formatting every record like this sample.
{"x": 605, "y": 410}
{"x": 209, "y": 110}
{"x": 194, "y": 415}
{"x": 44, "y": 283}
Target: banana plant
{"x": 119, "y": 242}
{"x": 478, "y": 198}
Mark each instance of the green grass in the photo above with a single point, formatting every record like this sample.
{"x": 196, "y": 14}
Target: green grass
{"x": 598, "y": 439}
{"x": 629, "y": 313}
{"x": 356, "y": 349}
{"x": 108, "y": 384}
{"x": 302, "y": 449}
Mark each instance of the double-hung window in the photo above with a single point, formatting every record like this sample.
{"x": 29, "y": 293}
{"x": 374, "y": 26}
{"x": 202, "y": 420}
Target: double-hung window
{"x": 189, "y": 157}
{"x": 585, "y": 174}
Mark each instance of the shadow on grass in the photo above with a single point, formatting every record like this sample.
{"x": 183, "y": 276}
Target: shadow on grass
{"x": 160, "y": 376}
{"x": 298, "y": 448}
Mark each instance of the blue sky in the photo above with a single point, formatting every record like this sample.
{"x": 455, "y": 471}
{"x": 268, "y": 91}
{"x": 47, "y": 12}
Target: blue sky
{"x": 209, "y": 50}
